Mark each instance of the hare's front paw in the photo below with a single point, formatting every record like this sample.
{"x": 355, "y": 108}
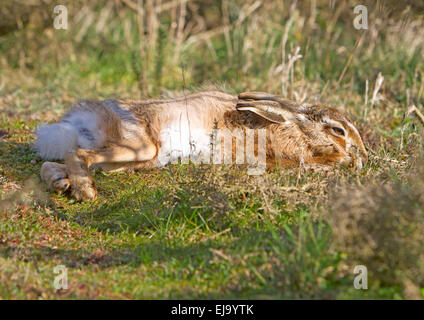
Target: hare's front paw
{"x": 83, "y": 188}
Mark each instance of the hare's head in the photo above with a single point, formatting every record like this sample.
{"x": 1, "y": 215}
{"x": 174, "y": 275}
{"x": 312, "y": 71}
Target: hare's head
{"x": 327, "y": 136}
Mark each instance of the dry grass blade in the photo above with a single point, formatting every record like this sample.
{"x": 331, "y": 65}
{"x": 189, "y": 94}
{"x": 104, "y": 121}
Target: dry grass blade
{"x": 377, "y": 87}
{"x": 158, "y": 8}
{"x": 413, "y": 109}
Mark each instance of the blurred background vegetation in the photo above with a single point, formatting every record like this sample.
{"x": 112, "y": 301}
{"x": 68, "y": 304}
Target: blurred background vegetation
{"x": 281, "y": 46}
{"x": 206, "y": 233}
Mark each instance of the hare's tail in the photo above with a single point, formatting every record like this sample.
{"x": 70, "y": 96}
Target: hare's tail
{"x": 55, "y": 140}
{"x": 78, "y": 129}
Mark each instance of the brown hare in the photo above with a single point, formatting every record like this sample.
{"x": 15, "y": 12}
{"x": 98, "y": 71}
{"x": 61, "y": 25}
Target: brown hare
{"x": 118, "y": 135}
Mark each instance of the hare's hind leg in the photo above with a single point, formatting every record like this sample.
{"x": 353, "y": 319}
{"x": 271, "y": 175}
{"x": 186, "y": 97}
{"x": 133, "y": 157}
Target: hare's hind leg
{"x": 129, "y": 166}
{"x": 78, "y": 161}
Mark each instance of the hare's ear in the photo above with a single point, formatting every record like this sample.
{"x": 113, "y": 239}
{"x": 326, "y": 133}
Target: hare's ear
{"x": 267, "y": 96}
{"x": 267, "y": 106}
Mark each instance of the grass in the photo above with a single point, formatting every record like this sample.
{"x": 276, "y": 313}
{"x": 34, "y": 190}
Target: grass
{"x": 214, "y": 232}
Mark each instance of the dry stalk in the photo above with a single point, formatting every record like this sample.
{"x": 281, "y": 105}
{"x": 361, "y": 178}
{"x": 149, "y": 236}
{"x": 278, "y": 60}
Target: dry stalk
{"x": 414, "y": 109}
{"x": 244, "y": 14}
{"x": 143, "y": 54}
{"x": 180, "y": 31}
{"x": 377, "y": 87}
{"x": 159, "y": 8}
{"x": 349, "y": 60}
{"x": 226, "y": 19}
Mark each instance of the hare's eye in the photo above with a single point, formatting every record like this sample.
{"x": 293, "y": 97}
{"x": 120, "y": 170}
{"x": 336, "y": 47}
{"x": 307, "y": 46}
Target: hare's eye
{"x": 338, "y": 131}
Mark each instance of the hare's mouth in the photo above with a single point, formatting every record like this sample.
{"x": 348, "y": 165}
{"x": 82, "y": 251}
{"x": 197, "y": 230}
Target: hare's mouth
{"x": 359, "y": 157}
{"x": 353, "y": 161}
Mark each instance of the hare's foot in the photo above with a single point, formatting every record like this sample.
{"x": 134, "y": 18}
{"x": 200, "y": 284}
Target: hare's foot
{"x": 82, "y": 184}
{"x": 83, "y": 188}
{"x": 55, "y": 176}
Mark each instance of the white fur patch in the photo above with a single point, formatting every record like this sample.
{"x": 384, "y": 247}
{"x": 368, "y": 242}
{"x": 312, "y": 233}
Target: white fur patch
{"x": 55, "y": 140}
{"x": 180, "y": 141}
{"x": 77, "y": 129}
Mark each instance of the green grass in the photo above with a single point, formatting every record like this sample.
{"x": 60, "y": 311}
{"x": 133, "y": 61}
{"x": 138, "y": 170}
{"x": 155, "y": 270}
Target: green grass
{"x": 208, "y": 232}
